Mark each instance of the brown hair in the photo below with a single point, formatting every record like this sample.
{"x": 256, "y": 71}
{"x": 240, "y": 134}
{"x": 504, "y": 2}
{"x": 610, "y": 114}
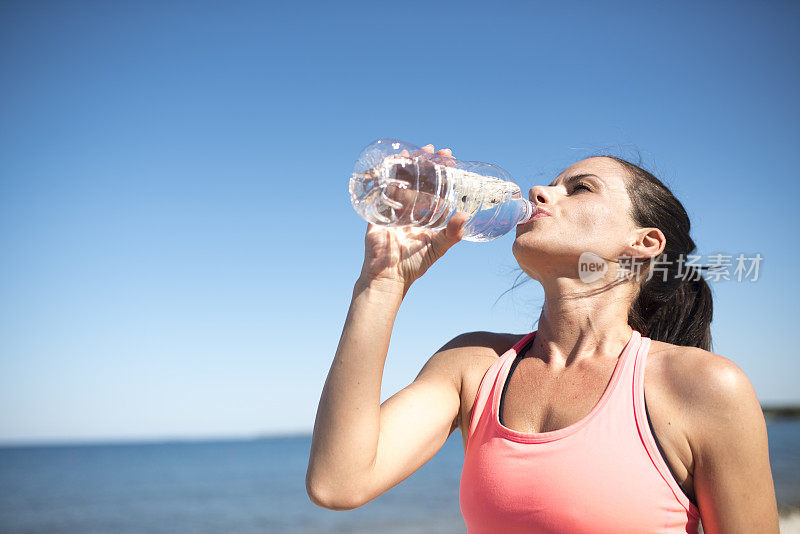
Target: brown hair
{"x": 674, "y": 305}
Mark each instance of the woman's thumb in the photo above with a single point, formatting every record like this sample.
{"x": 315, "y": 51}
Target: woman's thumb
{"x": 451, "y": 234}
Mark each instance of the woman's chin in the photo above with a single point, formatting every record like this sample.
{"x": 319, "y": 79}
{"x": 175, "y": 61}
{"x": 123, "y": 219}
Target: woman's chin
{"x": 528, "y": 244}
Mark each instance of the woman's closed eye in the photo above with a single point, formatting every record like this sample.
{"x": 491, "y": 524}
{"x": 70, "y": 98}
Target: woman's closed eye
{"x": 581, "y": 185}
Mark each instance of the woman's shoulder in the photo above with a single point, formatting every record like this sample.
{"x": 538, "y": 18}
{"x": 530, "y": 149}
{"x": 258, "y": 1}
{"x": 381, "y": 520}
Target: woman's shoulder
{"x": 468, "y": 353}
{"x": 695, "y": 374}
{"x": 476, "y": 351}
{"x": 472, "y": 353}
{"x": 483, "y": 343}
{"x": 708, "y": 389}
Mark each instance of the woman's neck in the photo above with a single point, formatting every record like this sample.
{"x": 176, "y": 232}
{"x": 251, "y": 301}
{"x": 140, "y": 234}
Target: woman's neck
{"x": 577, "y": 322}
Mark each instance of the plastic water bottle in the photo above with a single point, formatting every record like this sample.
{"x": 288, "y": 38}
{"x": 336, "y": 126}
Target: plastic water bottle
{"x": 397, "y": 184}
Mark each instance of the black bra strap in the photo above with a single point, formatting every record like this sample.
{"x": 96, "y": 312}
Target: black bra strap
{"x": 517, "y": 358}
{"x": 664, "y": 456}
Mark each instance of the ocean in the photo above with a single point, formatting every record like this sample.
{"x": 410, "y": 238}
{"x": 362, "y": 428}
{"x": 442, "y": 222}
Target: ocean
{"x": 248, "y": 486}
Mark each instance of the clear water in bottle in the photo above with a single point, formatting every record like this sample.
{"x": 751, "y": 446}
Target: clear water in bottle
{"x": 397, "y": 184}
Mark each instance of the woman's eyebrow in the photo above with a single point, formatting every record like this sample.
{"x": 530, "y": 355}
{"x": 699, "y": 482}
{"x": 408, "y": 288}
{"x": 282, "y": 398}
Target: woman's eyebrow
{"x": 573, "y": 178}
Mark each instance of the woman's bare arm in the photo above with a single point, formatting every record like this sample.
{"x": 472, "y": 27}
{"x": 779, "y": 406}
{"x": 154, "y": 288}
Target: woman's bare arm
{"x": 361, "y": 448}
{"x": 732, "y": 474}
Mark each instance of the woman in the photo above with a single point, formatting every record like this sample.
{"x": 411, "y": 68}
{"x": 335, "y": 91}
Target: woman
{"x": 613, "y": 416}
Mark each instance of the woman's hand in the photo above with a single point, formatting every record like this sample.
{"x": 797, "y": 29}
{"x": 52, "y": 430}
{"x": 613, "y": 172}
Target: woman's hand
{"x": 398, "y": 256}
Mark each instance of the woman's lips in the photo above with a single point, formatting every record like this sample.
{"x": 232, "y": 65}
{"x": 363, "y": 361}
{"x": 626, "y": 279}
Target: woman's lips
{"x": 540, "y": 213}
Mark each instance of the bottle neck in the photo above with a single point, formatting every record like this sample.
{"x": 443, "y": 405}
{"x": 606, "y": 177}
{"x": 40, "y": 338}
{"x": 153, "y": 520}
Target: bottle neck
{"x": 529, "y": 210}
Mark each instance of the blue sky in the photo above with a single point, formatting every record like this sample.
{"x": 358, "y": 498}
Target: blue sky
{"x": 178, "y": 246}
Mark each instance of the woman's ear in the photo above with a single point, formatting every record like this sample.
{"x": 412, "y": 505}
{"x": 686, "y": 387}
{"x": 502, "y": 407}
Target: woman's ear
{"x": 646, "y": 243}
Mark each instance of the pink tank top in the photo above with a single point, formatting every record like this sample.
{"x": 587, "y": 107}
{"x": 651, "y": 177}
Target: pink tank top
{"x": 603, "y": 473}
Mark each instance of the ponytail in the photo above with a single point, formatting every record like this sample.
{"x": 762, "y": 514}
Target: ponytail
{"x": 677, "y": 311}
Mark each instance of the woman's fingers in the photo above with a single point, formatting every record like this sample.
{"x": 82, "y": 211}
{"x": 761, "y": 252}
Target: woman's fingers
{"x": 446, "y": 153}
{"x": 443, "y": 152}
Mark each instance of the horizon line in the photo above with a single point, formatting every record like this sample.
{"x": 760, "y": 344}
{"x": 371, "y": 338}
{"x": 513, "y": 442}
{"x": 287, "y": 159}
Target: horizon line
{"x": 147, "y": 440}
{"x": 771, "y": 413}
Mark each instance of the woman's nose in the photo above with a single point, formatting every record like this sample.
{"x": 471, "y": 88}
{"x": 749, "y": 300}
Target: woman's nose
{"x": 539, "y": 195}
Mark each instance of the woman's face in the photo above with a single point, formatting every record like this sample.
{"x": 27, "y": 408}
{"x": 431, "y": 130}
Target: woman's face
{"x": 589, "y": 211}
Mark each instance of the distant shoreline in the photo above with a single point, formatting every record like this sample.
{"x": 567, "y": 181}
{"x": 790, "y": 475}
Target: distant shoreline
{"x": 781, "y": 412}
{"x": 771, "y": 413}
